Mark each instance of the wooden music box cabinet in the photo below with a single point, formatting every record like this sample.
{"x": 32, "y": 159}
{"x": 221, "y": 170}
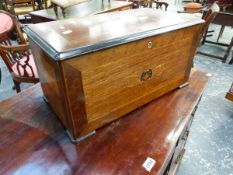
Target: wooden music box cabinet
{"x": 96, "y": 69}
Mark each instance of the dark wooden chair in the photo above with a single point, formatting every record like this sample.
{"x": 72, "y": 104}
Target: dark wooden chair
{"x": 44, "y": 4}
{"x": 160, "y": 4}
{"x": 20, "y": 7}
{"x": 139, "y": 3}
{"x": 198, "y": 7}
{"x": 208, "y": 16}
{"x": 223, "y": 4}
{"x": 229, "y": 49}
{"x": 16, "y": 54}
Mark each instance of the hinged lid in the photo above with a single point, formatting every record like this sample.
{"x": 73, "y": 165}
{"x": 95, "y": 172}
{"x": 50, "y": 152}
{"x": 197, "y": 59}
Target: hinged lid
{"x": 73, "y": 37}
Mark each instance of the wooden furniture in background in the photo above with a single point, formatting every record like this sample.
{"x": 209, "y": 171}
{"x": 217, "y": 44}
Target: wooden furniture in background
{"x": 193, "y": 7}
{"x": 2, "y": 5}
{"x": 118, "y": 62}
{"x": 65, "y": 4}
{"x": 44, "y": 4}
{"x": 223, "y": 19}
{"x": 229, "y": 94}
{"x": 209, "y": 16}
{"x": 214, "y": 16}
{"x": 32, "y": 139}
{"x": 223, "y": 4}
{"x": 160, "y": 4}
{"x": 140, "y": 3}
{"x": 85, "y": 9}
{"x": 20, "y": 7}
{"x": 229, "y": 49}
{"x": 16, "y": 56}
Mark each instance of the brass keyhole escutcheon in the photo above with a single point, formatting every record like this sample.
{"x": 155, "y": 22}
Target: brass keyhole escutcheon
{"x": 150, "y": 45}
{"x": 146, "y": 75}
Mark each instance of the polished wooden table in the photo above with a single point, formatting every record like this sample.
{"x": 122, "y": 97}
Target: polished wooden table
{"x": 34, "y": 142}
{"x": 77, "y": 11}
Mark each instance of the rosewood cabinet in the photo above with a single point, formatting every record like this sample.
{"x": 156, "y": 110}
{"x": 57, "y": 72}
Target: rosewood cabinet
{"x": 96, "y": 69}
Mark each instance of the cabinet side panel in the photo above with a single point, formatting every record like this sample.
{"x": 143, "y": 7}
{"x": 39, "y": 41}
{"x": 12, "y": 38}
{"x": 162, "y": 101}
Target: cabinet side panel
{"x": 76, "y": 98}
{"x": 51, "y": 82}
{"x": 196, "y": 34}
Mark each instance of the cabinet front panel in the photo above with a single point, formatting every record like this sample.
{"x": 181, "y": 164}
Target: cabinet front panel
{"x": 128, "y": 76}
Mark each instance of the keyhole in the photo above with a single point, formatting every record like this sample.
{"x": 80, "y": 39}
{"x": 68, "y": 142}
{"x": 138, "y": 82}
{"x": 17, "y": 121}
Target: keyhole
{"x": 150, "y": 45}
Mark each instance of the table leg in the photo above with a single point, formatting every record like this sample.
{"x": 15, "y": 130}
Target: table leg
{"x": 46, "y": 4}
{"x": 228, "y": 52}
{"x": 63, "y": 12}
{"x": 55, "y": 8}
{"x": 221, "y": 32}
{"x": 231, "y": 61}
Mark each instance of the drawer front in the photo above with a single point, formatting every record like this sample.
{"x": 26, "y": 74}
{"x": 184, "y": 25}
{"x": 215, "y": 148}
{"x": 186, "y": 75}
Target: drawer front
{"x": 125, "y": 77}
{"x": 180, "y": 147}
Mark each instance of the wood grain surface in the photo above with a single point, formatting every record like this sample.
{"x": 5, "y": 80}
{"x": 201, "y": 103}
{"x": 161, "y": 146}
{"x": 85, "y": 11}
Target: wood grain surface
{"x": 34, "y": 142}
{"x": 111, "y": 79}
{"x": 104, "y": 84}
{"x": 73, "y": 34}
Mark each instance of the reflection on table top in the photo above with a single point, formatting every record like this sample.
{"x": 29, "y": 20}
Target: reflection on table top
{"x": 34, "y": 142}
{"x": 84, "y": 9}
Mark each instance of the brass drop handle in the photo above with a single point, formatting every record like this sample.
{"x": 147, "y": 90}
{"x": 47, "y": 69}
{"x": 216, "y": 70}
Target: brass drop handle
{"x": 150, "y": 45}
{"x": 146, "y": 75}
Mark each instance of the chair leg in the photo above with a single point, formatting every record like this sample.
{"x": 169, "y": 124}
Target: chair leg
{"x": 231, "y": 60}
{"x": 221, "y": 32}
{"x": 204, "y": 37}
{"x": 228, "y": 51}
{"x": 17, "y": 86}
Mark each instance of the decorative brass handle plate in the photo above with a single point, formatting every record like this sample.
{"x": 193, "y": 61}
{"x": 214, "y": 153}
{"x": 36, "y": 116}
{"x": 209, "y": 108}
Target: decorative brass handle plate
{"x": 146, "y": 75}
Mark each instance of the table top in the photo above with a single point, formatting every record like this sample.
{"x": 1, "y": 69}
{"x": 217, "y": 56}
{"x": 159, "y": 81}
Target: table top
{"x": 91, "y": 7}
{"x": 104, "y": 31}
{"x": 34, "y": 142}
